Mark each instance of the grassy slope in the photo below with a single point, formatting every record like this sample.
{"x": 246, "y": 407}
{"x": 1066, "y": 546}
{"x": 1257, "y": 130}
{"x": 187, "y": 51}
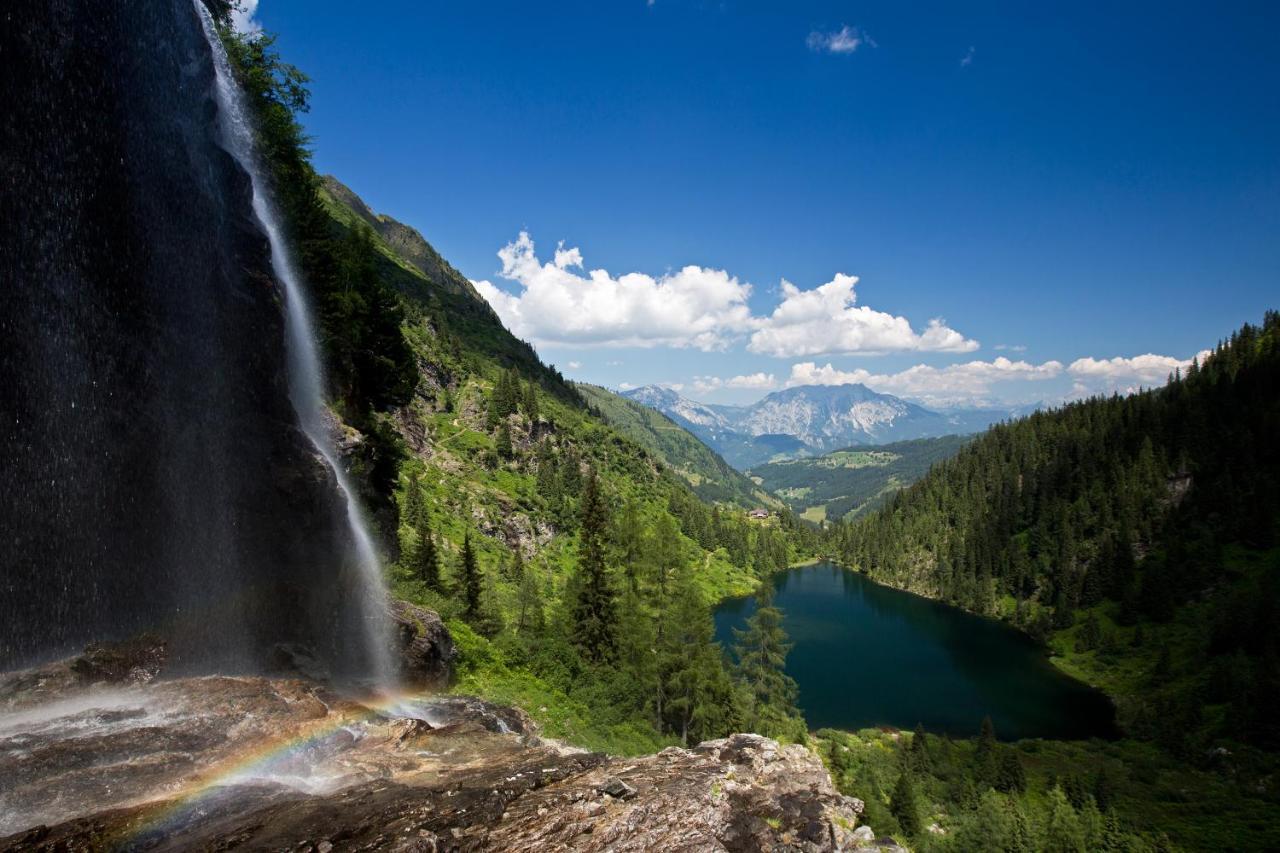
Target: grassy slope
{"x": 848, "y": 483}
{"x": 711, "y": 478}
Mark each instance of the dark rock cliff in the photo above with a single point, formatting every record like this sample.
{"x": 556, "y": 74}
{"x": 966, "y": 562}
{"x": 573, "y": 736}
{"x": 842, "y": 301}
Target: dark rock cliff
{"x": 152, "y": 476}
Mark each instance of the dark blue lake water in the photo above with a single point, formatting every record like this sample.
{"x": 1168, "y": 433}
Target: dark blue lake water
{"x": 868, "y": 655}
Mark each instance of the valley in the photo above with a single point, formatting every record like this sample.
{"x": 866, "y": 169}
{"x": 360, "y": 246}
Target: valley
{"x": 845, "y": 484}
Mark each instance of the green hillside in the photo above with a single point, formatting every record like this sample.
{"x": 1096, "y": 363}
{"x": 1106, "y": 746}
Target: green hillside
{"x": 1138, "y": 537}
{"x": 711, "y": 478}
{"x": 574, "y": 567}
{"x": 844, "y": 484}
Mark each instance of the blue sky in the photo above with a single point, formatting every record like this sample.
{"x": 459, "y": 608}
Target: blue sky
{"x": 1066, "y": 189}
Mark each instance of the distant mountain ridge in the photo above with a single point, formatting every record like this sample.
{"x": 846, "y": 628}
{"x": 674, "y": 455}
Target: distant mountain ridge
{"x": 809, "y": 420}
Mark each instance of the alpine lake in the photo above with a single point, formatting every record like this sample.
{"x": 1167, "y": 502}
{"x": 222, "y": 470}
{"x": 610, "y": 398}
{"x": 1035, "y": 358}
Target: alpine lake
{"x": 867, "y": 655}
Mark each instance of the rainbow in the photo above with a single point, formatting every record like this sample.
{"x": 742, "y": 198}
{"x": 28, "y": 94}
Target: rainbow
{"x": 165, "y": 816}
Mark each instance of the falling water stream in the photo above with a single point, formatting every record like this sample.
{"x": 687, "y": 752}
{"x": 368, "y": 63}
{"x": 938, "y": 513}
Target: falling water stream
{"x": 305, "y": 375}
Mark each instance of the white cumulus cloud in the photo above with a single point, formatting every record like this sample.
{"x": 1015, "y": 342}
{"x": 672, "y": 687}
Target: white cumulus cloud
{"x": 1124, "y": 375}
{"x": 966, "y": 383}
{"x": 752, "y": 381}
{"x": 825, "y": 320}
{"x": 693, "y": 307}
{"x": 564, "y": 303}
{"x": 847, "y": 39}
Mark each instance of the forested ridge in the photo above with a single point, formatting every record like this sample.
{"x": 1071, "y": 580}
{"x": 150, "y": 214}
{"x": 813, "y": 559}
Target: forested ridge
{"x": 1114, "y": 514}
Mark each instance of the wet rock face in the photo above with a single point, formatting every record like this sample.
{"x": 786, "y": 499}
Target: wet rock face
{"x": 426, "y": 648}
{"x": 257, "y": 763}
{"x": 154, "y": 476}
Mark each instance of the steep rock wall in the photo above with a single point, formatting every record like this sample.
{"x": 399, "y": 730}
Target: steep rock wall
{"x": 153, "y": 475}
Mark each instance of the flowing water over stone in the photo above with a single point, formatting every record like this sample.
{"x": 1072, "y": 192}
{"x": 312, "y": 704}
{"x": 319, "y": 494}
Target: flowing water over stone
{"x": 306, "y": 385}
{"x": 867, "y": 655}
{"x": 166, "y": 467}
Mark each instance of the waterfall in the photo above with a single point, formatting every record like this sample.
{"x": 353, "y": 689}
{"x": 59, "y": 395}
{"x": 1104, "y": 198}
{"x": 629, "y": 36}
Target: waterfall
{"x": 306, "y": 381}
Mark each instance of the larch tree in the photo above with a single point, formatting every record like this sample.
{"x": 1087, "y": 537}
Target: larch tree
{"x": 762, "y": 655}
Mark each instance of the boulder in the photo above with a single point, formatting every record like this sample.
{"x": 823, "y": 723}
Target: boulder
{"x": 424, "y": 646}
{"x": 134, "y": 661}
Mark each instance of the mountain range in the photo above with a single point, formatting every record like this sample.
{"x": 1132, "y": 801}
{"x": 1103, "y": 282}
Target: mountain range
{"x": 810, "y": 420}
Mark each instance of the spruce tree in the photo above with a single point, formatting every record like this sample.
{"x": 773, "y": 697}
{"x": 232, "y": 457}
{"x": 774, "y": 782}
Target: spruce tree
{"x": 531, "y": 405}
{"x": 1063, "y": 832}
{"x": 918, "y": 757}
{"x": 595, "y": 618}
{"x": 1011, "y": 777}
{"x": 548, "y": 482}
{"x": 503, "y": 443}
{"x": 413, "y": 504}
{"x": 762, "y": 655}
{"x": 471, "y": 582}
{"x": 426, "y": 560}
{"x": 903, "y": 804}
{"x": 697, "y": 692}
{"x": 985, "y": 755}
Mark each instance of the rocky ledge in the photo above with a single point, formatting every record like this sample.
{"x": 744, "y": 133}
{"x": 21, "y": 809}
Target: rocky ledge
{"x": 112, "y": 758}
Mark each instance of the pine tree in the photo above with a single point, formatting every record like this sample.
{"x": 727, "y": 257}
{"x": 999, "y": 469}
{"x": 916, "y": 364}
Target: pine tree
{"x": 531, "y": 406}
{"x": 504, "y": 398}
{"x": 629, "y": 536}
{"x": 426, "y": 559}
{"x": 1011, "y": 777}
{"x": 903, "y": 804}
{"x": 762, "y": 654}
{"x": 529, "y": 611}
{"x": 984, "y": 756}
{"x": 918, "y": 758}
{"x": 838, "y": 762}
{"x": 413, "y": 504}
{"x": 997, "y": 824}
{"x": 697, "y": 692}
{"x": 595, "y": 618}
{"x": 1063, "y": 832}
{"x": 1104, "y": 789}
{"x": 1090, "y": 636}
{"x": 548, "y": 474}
{"x": 471, "y": 582}
{"x": 503, "y": 443}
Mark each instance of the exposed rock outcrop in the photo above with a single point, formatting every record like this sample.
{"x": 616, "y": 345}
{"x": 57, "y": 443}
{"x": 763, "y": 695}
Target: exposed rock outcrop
{"x": 258, "y": 763}
{"x": 426, "y": 648}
